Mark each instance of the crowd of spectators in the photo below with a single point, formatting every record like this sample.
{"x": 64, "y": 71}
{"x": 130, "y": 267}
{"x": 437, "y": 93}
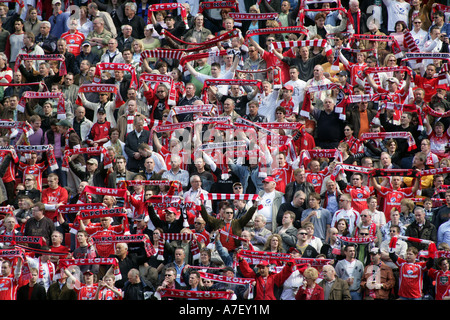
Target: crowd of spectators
{"x": 248, "y": 150}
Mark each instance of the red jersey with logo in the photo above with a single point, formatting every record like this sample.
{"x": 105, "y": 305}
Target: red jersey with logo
{"x": 429, "y": 85}
{"x": 108, "y": 294}
{"x": 87, "y": 292}
{"x": 438, "y": 144}
{"x": 316, "y": 178}
{"x": 8, "y": 288}
{"x": 290, "y": 107}
{"x": 410, "y": 278}
{"x": 74, "y": 41}
{"x": 282, "y": 177}
{"x": 52, "y": 197}
{"x": 33, "y": 169}
{"x": 359, "y": 196}
{"x": 442, "y": 282}
{"x": 105, "y": 250}
{"x": 99, "y": 131}
{"x": 392, "y": 199}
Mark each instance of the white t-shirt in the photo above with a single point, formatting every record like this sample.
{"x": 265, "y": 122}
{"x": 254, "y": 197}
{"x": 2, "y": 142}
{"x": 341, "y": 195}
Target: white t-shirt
{"x": 397, "y": 11}
{"x": 267, "y": 203}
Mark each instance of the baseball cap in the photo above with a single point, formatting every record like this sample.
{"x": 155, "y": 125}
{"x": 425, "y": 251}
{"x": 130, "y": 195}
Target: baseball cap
{"x": 293, "y": 249}
{"x": 288, "y": 87}
{"x": 375, "y": 251}
{"x": 263, "y": 263}
{"x": 237, "y": 184}
{"x": 101, "y": 110}
{"x": 56, "y": 1}
{"x": 88, "y": 271}
{"x": 64, "y": 123}
{"x": 172, "y": 209}
{"x": 85, "y": 43}
{"x": 93, "y": 161}
{"x": 169, "y": 16}
{"x": 343, "y": 73}
{"x": 269, "y": 179}
{"x": 393, "y": 79}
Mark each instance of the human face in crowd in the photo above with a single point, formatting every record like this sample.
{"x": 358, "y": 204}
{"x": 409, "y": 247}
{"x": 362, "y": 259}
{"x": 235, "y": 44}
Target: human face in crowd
{"x": 299, "y": 199}
{"x": 169, "y": 277}
{"x": 179, "y": 256}
{"x": 53, "y": 182}
{"x": 313, "y": 203}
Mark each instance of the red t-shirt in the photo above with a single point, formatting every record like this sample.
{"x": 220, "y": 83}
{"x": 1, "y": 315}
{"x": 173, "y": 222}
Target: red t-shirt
{"x": 410, "y": 278}
{"x": 54, "y": 196}
{"x": 273, "y": 61}
{"x": 35, "y": 170}
{"x": 8, "y": 288}
{"x": 392, "y": 199}
{"x": 74, "y": 41}
{"x": 442, "y": 282}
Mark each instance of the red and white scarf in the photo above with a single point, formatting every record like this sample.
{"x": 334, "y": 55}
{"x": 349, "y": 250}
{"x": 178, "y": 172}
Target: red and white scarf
{"x": 48, "y": 149}
{"x": 121, "y": 193}
{"x": 130, "y": 238}
{"x": 13, "y": 239}
{"x": 302, "y": 43}
{"x": 208, "y": 5}
{"x": 195, "y": 56}
{"x": 179, "y": 237}
{"x": 370, "y": 239}
{"x": 148, "y": 77}
{"x": 162, "y": 53}
{"x": 47, "y": 57}
{"x": 168, "y": 7}
{"x": 89, "y": 151}
{"x": 252, "y": 16}
{"x": 188, "y": 294}
{"x": 351, "y": 22}
{"x": 206, "y": 44}
{"x": 93, "y": 87}
{"x": 279, "y": 30}
{"x": 228, "y": 196}
{"x": 320, "y": 153}
{"x": 65, "y": 263}
{"x": 116, "y": 66}
{"x": 389, "y": 135}
{"x": 225, "y": 279}
{"x": 61, "y": 107}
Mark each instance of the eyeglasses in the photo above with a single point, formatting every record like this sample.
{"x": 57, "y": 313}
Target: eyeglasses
{"x": 364, "y": 234}
{"x": 237, "y": 187}
{"x": 303, "y": 233}
{"x": 417, "y": 22}
{"x": 229, "y": 212}
{"x": 160, "y": 91}
{"x": 168, "y": 275}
